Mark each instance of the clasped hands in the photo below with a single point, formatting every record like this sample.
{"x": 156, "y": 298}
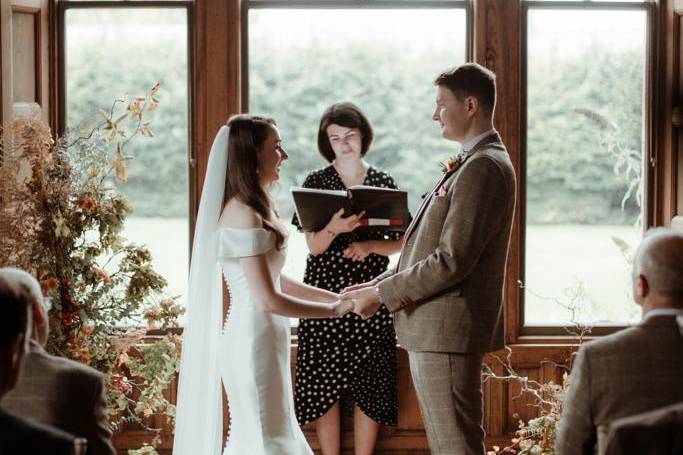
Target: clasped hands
{"x": 361, "y": 299}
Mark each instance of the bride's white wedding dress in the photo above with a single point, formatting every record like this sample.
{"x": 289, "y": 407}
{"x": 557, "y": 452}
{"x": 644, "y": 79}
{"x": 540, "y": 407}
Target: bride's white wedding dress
{"x": 254, "y": 354}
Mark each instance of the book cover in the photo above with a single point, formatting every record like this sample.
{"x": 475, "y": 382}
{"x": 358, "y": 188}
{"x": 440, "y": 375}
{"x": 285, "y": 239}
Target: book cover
{"x": 385, "y": 208}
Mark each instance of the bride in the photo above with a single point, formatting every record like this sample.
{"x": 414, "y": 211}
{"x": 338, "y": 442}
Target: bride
{"x": 239, "y": 236}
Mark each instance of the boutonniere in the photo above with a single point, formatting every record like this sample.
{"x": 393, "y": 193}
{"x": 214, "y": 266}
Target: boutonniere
{"x": 453, "y": 162}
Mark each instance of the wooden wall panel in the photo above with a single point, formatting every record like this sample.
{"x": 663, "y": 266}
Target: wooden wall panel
{"x": 26, "y": 56}
{"x": 503, "y": 406}
{"x": 25, "y": 50}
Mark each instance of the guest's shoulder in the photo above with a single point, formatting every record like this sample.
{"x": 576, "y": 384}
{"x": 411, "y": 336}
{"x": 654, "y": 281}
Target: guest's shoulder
{"x": 30, "y": 437}
{"x": 64, "y": 367}
{"x": 619, "y": 342}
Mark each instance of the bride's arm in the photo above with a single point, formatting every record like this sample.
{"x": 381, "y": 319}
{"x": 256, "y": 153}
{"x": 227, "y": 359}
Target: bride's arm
{"x": 301, "y": 290}
{"x": 257, "y": 272}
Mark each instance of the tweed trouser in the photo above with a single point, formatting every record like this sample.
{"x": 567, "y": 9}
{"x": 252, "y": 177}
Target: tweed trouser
{"x": 449, "y": 391}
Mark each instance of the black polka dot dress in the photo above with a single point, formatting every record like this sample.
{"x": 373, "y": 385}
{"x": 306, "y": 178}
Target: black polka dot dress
{"x": 346, "y": 359}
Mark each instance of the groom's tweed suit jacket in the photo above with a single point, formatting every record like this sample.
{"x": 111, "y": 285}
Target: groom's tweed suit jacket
{"x": 447, "y": 290}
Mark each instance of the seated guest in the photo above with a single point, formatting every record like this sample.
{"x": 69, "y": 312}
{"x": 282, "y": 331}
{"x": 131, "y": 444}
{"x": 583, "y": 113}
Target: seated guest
{"x": 58, "y": 391}
{"x": 638, "y": 369}
{"x": 658, "y": 432}
{"x": 19, "y": 435}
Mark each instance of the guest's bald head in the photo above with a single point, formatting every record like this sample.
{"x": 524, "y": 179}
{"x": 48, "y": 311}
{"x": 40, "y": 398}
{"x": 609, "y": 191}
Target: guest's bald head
{"x": 658, "y": 266}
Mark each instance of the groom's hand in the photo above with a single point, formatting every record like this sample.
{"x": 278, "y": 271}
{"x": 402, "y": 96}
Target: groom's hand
{"x": 356, "y": 287}
{"x": 366, "y": 301}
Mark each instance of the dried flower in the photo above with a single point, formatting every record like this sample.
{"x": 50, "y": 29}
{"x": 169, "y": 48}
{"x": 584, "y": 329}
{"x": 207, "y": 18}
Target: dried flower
{"x": 121, "y": 384}
{"x": 454, "y": 162}
{"x": 87, "y": 204}
{"x": 44, "y": 212}
{"x": 49, "y": 284}
{"x": 104, "y": 275}
{"x": 123, "y": 359}
{"x": 61, "y": 229}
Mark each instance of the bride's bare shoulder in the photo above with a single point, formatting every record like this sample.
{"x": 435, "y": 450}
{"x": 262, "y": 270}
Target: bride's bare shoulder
{"x": 236, "y": 214}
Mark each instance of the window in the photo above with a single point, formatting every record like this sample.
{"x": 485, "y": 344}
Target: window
{"x": 384, "y": 60}
{"x": 585, "y": 160}
{"x": 113, "y": 51}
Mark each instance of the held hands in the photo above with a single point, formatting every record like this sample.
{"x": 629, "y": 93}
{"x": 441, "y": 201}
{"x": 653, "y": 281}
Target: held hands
{"x": 342, "y": 307}
{"x": 365, "y": 299}
{"x": 340, "y": 224}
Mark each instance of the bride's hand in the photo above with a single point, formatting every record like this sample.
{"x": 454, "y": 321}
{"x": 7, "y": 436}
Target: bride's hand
{"x": 342, "y": 307}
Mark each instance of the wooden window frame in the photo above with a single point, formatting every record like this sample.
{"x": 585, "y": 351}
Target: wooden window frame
{"x": 558, "y": 334}
{"x": 247, "y": 5}
{"x": 188, "y": 6}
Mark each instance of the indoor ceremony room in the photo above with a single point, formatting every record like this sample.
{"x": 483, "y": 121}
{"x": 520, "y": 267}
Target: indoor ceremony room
{"x": 341, "y": 227}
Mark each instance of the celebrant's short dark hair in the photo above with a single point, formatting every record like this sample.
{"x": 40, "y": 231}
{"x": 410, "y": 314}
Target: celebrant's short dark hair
{"x": 348, "y": 115}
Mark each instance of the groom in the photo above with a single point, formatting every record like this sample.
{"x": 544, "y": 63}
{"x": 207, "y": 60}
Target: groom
{"x": 447, "y": 289}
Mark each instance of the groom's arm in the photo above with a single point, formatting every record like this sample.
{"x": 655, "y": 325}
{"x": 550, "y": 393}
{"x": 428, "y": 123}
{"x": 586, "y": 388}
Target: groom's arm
{"x": 385, "y": 274}
{"x": 477, "y": 201}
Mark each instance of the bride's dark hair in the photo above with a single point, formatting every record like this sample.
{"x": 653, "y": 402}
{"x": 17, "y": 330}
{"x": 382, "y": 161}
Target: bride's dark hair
{"x": 247, "y": 135}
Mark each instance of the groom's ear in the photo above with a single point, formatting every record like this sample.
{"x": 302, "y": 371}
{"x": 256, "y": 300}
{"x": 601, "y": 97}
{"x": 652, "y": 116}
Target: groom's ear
{"x": 472, "y": 105}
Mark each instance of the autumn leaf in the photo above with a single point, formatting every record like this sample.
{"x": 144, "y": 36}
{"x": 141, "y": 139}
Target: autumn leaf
{"x": 136, "y": 107}
{"x": 145, "y": 130}
{"x": 153, "y": 104}
{"x": 120, "y": 165}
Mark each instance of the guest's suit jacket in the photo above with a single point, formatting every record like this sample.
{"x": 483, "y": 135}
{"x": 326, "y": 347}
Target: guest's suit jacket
{"x": 633, "y": 371}
{"x": 658, "y": 432}
{"x": 19, "y": 435}
{"x": 64, "y": 394}
{"x": 447, "y": 290}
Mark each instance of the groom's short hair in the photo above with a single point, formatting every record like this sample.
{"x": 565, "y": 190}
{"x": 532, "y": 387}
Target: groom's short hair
{"x": 471, "y": 79}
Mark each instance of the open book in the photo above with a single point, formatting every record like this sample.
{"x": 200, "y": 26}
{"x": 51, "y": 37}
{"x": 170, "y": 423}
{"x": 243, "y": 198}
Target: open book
{"x": 385, "y": 208}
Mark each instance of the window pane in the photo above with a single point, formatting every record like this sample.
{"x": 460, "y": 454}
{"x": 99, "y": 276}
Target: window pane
{"x": 384, "y": 61}
{"x": 584, "y": 162}
{"x": 113, "y": 52}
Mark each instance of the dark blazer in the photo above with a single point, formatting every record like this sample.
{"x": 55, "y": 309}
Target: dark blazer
{"x": 447, "y": 291}
{"x": 658, "y": 432}
{"x": 21, "y": 436}
{"x": 630, "y": 372}
{"x": 64, "y": 394}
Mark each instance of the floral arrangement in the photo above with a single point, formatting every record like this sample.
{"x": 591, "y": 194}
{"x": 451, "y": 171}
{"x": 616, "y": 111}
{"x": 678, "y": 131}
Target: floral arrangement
{"x": 537, "y": 436}
{"x": 62, "y": 221}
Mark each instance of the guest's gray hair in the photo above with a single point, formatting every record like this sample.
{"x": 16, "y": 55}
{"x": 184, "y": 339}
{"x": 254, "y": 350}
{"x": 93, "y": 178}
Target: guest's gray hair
{"x": 18, "y": 276}
{"x": 659, "y": 259}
